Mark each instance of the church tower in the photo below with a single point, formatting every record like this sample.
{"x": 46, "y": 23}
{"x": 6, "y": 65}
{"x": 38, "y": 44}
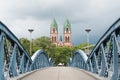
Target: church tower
{"x": 54, "y": 32}
{"x": 67, "y": 34}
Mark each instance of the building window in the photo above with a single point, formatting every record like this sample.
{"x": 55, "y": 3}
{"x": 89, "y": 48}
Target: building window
{"x": 53, "y": 30}
{"x": 67, "y": 30}
{"x": 68, "y": 39}
{"x": 55, "y": 39}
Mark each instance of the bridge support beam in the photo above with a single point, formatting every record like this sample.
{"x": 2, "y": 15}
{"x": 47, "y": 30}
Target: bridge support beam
{"x": 1, "y": 57}
{"x": 104, "y": 58}
{"x": 94, "y": 63}
{"x": 104, "y": 62}
{"x": 22, "y": 64}
{"x": 115, "y": 57}
{"x": 13, "y": 68}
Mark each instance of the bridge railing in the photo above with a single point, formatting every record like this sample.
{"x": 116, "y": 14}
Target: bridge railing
{"x": 51, "y": 62}
{"x": 14, "y": 59}
{"x": 40, "y": 59}
{"x": 105, "y": 57}
{"x": 78, "y": 60}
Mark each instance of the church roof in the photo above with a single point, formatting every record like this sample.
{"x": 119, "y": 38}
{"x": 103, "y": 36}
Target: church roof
{"x": 67, "y": 25}
{"x": 54, "y": 25}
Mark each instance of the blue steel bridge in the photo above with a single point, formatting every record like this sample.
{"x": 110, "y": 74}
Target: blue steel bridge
{"x": 102, "y": 63}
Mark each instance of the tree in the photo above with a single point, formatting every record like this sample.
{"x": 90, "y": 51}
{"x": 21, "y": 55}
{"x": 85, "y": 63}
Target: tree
{"x": 42, "y": 42}
{"x": 26, "y": 43}
{"x": 45, "y": 44}
{"x": 62, "y": 54}
{"x": 83, "y": 45}
{"x": 58, "y": 54}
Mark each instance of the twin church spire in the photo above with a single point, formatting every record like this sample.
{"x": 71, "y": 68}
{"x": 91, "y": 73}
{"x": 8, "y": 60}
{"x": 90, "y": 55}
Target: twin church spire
{"x": 54, "y": 25}
{"x": 66, "y": 31}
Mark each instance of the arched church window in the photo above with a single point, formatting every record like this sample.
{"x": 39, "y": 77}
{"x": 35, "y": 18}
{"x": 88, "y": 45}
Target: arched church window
{"x": 55, "y": 39}
{"x": 53, "y": 30}
{"x": 67, "y": 30}
{"x": 68, "y": 39}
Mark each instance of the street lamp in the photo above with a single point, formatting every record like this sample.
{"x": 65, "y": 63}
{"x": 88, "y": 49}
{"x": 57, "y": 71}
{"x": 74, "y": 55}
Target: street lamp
{"x": 88, "y": 31}
{"x": 30, "y": 30}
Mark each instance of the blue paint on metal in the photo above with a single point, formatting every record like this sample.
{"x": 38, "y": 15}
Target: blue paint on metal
{"x": 13, "y": 67}
{"x": 41, "y": 56}
{"x": 115, "y": 57}
{"x": 22, "y": 64}
{"x": 104, "y": 62}
{"x": 51, "y": 61}
{"x": 95, "y": 69}
{"x": 14, "y": 59}
{"x": 103, "y": 59}
{"x": 1, "y": 57}
{"x": 78, "y": 57}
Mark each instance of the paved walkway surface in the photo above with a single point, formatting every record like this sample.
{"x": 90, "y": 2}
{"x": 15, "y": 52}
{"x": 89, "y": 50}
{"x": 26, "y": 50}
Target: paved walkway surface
{"x": 60, "y": 73}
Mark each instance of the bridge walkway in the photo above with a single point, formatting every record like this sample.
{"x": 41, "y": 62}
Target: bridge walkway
{"x": 61, "y": 73}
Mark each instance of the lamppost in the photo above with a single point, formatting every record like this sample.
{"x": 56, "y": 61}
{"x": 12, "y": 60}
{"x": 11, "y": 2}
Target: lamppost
{"x": 88, "y": 31}
{"x": 30, "y": 30}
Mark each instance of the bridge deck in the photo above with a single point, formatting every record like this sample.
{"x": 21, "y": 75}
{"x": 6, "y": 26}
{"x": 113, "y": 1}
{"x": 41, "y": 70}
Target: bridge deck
{"x": 61, "y": 73}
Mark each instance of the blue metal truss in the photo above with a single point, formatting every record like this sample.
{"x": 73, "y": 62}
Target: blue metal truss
{"x": 79, "y": 59}
{"x": 39, "y": 59}
{"x": 14, "y": 59}
{"x": 105, "y": 57}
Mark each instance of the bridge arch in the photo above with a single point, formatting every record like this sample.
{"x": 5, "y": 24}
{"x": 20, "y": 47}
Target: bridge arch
{"x": 39, "y": 59}
{"x": 79, "y": 59}
{"x": 104, "y": 59}
{"x": 14, "y": 59}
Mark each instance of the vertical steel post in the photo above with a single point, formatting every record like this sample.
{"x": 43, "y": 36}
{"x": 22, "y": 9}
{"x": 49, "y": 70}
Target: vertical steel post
{"x": 1, "y": 57}
{"x": 22, "y": 64}
{"x": 103, "y": 61}
{"x": 13, "y": 63}
{"x": 30, "y": 30}
{"x": 115, "y": 58}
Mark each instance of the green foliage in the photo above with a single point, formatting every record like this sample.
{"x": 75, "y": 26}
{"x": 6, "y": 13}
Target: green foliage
{"x": 62, "y": 54}
{"x": 87, "y": 48}
{"x": 39, "y": 43}
{"x": 43, "y": 42}
{"x": 81, "y": 46}
{"x": 26, "y": 43}
{"x": 58, "y": 54}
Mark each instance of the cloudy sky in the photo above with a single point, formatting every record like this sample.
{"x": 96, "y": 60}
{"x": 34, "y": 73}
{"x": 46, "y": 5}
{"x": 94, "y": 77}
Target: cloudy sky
{"x": 98, "y": 15}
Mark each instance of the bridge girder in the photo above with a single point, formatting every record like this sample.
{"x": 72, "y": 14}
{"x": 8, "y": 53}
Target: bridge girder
{"x": 14, "y": 59}
{"x": 79, "y": 59}
{"x": 104, "y": 58}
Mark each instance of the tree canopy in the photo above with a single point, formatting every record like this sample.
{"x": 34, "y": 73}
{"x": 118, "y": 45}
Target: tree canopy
{"x": 26, "y": 43}
{"x": 58, "y": 54}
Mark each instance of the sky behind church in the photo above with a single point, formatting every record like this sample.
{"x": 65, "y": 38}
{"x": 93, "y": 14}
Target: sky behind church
{"x": 98, "y": 15}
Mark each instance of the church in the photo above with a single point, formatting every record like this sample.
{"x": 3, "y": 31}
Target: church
{"x": 66, "y": 40}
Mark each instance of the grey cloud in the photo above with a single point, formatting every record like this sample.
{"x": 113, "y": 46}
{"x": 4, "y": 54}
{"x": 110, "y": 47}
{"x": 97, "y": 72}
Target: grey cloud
{"x": 95, "y": 14}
